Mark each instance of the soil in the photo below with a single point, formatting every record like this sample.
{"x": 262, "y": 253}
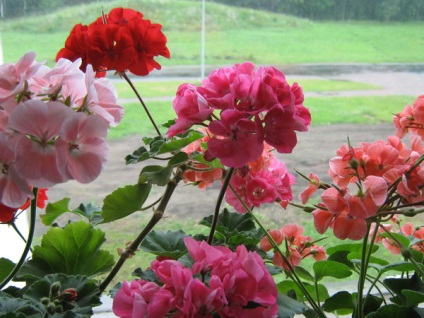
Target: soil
{"x": 312, "y": 153}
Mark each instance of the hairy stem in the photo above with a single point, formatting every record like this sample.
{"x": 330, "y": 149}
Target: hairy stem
{"x": 157, "y": 215}
{"x": 218, "y": 204}
{"x": 125, "y": 76}
{"x": 28, "y": 241}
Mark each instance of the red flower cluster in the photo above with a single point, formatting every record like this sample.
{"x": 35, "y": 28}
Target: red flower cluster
{"x": 121, "y": 40}
{"x": 7, "y": 214}
{"x": 255, "y": 106}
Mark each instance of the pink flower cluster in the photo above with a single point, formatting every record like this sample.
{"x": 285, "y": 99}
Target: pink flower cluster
{"x": 53, "y": 126}
{"x": 296, "y": 246}
{"x": 265, "y": 180}
{"x": 375, "y": 168}
{"x": 230, "y": 284}
{"x": 243, "y": 107}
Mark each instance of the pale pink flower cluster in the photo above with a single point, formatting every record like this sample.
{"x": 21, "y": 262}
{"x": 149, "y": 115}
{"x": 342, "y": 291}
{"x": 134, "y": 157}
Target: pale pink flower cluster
{"x": 220, "y": 282}
{"x": 53, "y": 126}
{"x": 243, "y": 108}
{"x": 294, "y": 245}
{"x": 265, "y": 180}
{"x": 363, "y": 176}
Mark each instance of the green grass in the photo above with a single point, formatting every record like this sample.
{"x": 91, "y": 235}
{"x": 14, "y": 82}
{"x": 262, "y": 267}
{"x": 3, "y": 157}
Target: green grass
{"x": 149, "y": 89}
{"x": 355, "y": 110}
{"x": 324, "y": 110}
{"x": 233, "y": 35}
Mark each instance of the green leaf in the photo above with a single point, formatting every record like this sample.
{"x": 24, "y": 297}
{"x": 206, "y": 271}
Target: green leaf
{"x": 73, "y": 250}
{"x": 183, "y": 141}
{"x": 235, "y": 228}
{"x": 393, "y": 311}
{"x": 399, "y": 267}
{"x": 87, "y": 292}
{"x": 413, "y": 298}
{"x": 138, "y": 155}
{"x": 303, "y": 273}
{"x": 399, "y": 237}
{"x": 6, "y": 267}
{"x": 288, "y": 286}
{"x": 169, "y": 243}
{"x": 357, "y": 256}
{"x": 341, "y": 300}
{"x": 398, "y": 285}
{"x": 56, "y": 209}
{"x": 15, "y": 307}
{"x": 155, "y": 175}
{"x": 330, "y": 269}
{"x": 288, "y": 307}
{"x": 124, "y": 201}
{"x": 349, "y": 247}
{"x": 372, "y": 303}
{"x": 161, "y": 145}
{"x": 178, "y": 159}
{"x": 198, "y": 156}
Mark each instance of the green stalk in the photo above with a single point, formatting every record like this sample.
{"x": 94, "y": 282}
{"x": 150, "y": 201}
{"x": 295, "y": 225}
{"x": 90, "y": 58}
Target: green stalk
{"x": 27, "y": 248}
{"x": 156, "y": 217}
{"x": 218, "y": 204}
{"x": 362, "y": 275}
{"x": 125, "y": 76}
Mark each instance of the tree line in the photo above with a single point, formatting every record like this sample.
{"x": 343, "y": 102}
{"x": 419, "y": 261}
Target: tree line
{"x": 371, "y": 10}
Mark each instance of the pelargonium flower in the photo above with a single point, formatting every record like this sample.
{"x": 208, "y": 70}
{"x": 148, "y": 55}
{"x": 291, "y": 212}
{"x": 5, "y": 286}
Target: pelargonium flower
{"x": 293, "y": 244}
{"x": 121, "y": 40}
{"x": 254, "y": 106}
{"x": 270, "y": 183}
{"x": 232, "y": 281}
{"x": 53, "y": 126}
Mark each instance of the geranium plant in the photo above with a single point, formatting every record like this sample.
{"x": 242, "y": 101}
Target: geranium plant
{"x": 53, "y": 128}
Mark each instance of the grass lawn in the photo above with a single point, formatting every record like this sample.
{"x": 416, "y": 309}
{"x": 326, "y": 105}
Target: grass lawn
{"x": 324, "y": 110}
{"x": 169, "y": 88}
{"x": 233, "y": 35}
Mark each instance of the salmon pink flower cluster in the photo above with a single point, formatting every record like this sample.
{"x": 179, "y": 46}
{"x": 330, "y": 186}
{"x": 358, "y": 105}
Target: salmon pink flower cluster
{"x": 242, "y": 108}
{"x": 121, "y": 40}
{"x": 219, "y": 282}
{"x": 294, "y": 245}
{"x": 200, "y": 174}
{"x": 370, "y": 180}
{"x": 408, "y": 229}
{"x": 411, "y": 119}
{"x": 53, "y": 126}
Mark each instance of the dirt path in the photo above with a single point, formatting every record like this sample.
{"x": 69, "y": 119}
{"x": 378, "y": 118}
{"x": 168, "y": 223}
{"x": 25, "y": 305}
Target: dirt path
{"x": 312, "y": 153}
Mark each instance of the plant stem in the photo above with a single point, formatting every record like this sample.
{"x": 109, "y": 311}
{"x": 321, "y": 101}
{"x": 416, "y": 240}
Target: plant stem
{"x": 125, "y": 76}
{"x": 157, "y": 215}
{"x": 218, "y": 204}
{"x": 359, "y": 313}
{"x": 27, "y": 248}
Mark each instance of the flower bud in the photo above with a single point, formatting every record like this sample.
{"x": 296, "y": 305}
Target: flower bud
{"x": 55, "y": 289}
{"x": 69, "y": 294}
